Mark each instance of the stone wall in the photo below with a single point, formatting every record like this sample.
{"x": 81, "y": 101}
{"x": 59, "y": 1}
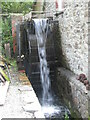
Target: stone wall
{"x": 89, "y": 39}
{"x": 71, "y": 40}
{"x": 73, "y": 92}
{"x": 73, "y": 26}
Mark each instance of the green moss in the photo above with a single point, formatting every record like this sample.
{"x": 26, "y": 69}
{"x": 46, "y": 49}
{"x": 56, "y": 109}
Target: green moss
{"x": 74, "y": 113}
{"x": 89, "y": 118}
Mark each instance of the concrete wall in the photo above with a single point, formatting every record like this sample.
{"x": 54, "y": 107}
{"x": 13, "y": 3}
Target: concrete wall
{"x": 73, "y": 27}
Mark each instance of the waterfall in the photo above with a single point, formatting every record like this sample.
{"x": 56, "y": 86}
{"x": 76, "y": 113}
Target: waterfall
{"x": 41, "y": 28}
{"x": 49, "y": 106}
{"x": 39, "y": 43}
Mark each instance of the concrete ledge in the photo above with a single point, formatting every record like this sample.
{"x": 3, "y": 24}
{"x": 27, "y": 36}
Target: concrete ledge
{"x": 73, "y": 92}
{"x": 30, "y": 101}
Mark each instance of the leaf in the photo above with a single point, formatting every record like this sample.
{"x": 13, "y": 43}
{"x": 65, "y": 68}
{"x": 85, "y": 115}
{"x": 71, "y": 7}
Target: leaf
{"x": 66, "y": 117}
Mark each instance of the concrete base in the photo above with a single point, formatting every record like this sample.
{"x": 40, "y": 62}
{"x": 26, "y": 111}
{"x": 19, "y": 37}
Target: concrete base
{"x": 73, "y": 92}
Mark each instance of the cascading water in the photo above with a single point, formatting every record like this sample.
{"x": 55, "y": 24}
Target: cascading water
{"x": 48, "y": 107}
{"x": 41, "y": 28}
{"x": 37, "y": 40}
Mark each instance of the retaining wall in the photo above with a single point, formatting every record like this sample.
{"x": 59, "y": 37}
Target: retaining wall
{"x": 73, "y": 92}
{"x": 71, "y": 33}
{"x": 73, "y": 27}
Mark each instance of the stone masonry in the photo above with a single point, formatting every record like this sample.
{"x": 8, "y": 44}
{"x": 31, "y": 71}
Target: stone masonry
{"x": 72, "y": 50}
{"x": 73, "y": 26}
{"x": 74, "y": 93}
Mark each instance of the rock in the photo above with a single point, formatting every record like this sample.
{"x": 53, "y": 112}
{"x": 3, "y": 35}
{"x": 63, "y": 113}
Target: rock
{"x": 81, "y": 78}
{"x": 88, "y": 87}
{"x": 86, "y": 82}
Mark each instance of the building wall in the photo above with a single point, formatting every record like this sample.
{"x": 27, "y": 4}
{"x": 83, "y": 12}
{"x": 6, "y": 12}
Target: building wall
{"x": 73, "y": 26}
{"x": 72, "y": 50}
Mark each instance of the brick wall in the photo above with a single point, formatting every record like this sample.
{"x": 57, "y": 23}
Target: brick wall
{"x": 15, "y": 18}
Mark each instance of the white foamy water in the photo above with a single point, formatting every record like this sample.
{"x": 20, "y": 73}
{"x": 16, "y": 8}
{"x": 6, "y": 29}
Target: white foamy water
{"x": 50, "y": 110}
{"x": 41, "y": 28}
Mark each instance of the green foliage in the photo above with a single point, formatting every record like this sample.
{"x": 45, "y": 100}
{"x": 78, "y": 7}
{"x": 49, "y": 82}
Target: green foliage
{"x": 12, "y": 7}
{"x": 7, "y": 33}
{"x": 89, "y": 118}
{"x": 6, "y": 30}
{"x": 66, "y": 117}
{"x": 16, "y": 7}
{"x": 13, "y": 63}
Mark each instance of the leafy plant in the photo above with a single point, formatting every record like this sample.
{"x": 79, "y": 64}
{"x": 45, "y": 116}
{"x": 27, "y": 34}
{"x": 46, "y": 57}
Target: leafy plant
{"x": 12, "y": 7}
{"x": 17, "y": 7}
{"x": 7, "y": 33}
{"x": 66, "y": 117}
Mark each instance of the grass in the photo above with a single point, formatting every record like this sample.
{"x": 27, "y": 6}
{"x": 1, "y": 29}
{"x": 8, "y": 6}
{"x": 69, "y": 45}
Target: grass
{"x": 11, "y": 63}
{"x": 14, "y": 64}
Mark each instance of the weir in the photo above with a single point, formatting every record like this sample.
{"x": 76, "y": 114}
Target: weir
{"x": 40, "y": 61}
